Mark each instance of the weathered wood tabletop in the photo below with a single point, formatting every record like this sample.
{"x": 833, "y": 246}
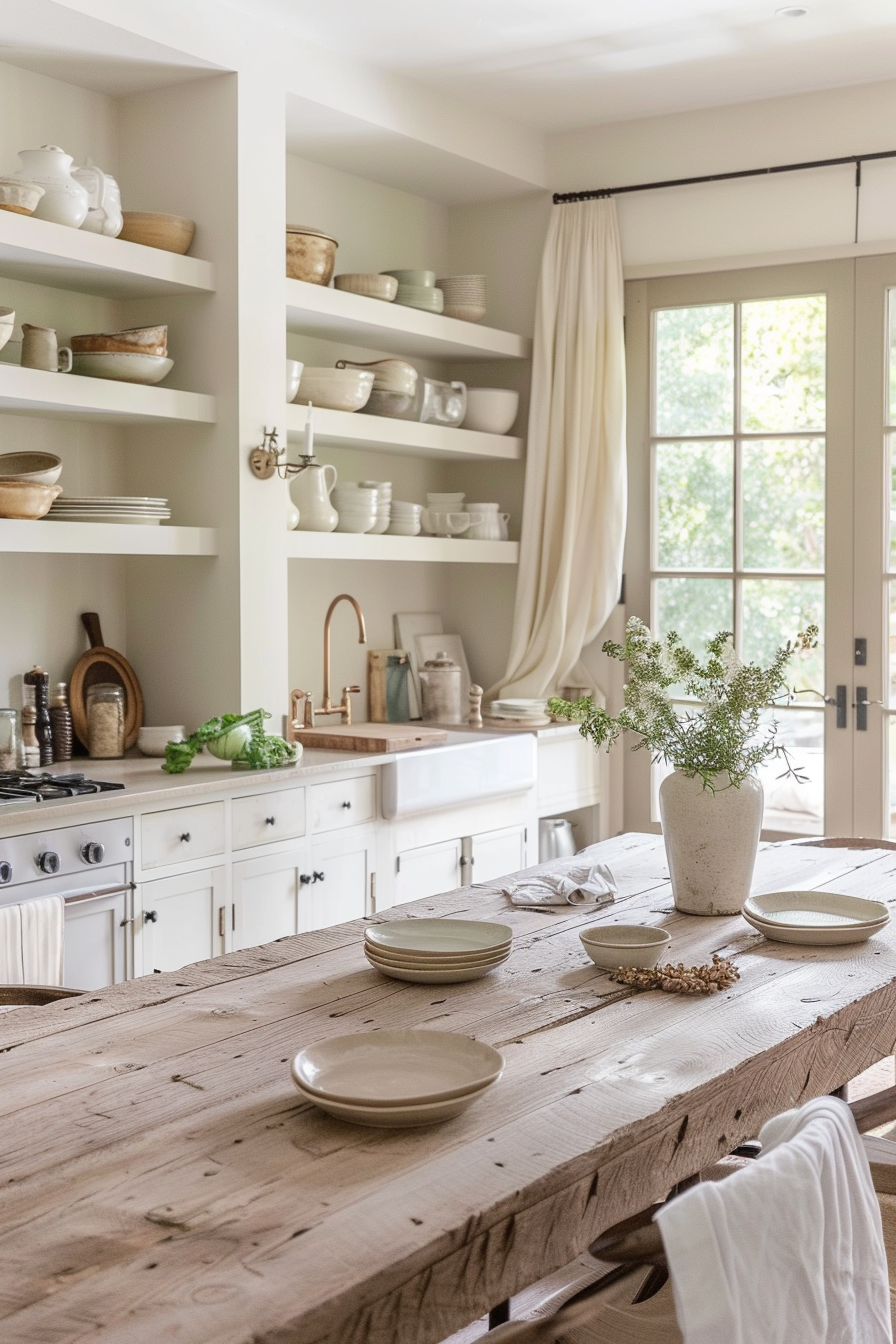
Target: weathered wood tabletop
{"x": 162, "y": 1180}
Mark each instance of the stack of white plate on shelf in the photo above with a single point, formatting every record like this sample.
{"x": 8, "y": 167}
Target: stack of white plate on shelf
{"x": 437, "y": 951}
{"x": 532, "y": 713}
{"x": 396, "y": 1079}
{"x": 816, "y": 918}
{"x": 383, "y": 492}
{"x": 109, "y": 509}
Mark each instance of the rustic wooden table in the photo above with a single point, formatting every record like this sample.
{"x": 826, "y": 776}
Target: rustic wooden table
{"x": 161, "y": 1180}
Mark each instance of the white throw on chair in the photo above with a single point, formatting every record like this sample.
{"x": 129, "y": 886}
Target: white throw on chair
{"x": 32, "y": 946}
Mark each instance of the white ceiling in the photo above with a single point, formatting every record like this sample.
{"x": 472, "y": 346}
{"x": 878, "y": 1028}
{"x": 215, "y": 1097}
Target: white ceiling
{"x": 556, "y": 64}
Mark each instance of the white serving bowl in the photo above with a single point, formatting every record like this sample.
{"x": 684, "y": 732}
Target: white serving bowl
{"x": 335, "y": 389}
{"x": 491, "y": 410}
{"x": 294, "y": 369}
{"x": 122, "y": 367}
{"x": 611, "y": 945}
{"x": 354, "y": 522}
{"x": 152, "y": 741}
{"x": 39, "y": 468}
{"x": 397, "y": 528}
{"x": 371, "y": 286}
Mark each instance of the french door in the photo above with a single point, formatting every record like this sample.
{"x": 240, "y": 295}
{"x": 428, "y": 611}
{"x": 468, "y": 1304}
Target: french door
{"x": 761, "y": 408}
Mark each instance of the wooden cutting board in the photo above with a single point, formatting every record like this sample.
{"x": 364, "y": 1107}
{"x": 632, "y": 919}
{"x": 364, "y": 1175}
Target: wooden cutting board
{"x": 372, "y": 737}
{"x": 103, "y": 664}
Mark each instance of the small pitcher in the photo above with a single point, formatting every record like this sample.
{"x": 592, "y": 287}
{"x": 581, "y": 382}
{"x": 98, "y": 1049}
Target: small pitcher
{"x": 104, "y": 213}
{"x": 40, "y": 350}
{"x": 311, "y": 495}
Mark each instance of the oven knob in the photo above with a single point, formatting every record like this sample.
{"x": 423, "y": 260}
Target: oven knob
{"x": 48, "y": 862}
{"x": 5, "y": 872}
{"x": 93, "y": 852}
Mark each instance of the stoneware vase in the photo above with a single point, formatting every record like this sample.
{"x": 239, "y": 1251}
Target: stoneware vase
{"x": 711, "y": 837}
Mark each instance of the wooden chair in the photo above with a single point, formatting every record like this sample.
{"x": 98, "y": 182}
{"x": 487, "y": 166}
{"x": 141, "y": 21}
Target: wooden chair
{"x": 20, "y": 996}
{"x": 602, "y": 1310}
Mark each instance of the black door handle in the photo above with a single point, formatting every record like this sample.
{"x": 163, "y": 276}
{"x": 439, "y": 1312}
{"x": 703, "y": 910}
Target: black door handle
{"x": 319, "y": 877}
{"x": 150, "y": 916}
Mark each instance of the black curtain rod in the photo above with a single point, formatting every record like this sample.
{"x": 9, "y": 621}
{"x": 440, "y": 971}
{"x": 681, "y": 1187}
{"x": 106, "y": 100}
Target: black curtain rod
{"x": 568, "y": 197}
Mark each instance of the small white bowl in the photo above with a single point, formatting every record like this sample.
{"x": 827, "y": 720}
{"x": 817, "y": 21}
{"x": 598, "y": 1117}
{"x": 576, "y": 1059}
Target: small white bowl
{"x": 354, "y": 522}
{"x": 294, "y": 369}
{"x": 152, "y": 741}
{"x": 399, "y": 529}
{"x": 491, "y": 410}
{"x": 335, "y": 389}
{"x": 611, "y": 945}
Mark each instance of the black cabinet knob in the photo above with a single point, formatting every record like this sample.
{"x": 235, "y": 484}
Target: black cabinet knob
{"x": 93, "y": 852}
{"x": 5, "y": 873}
{"x": 186, "y": 837}
{"x": 318, "y": 877}
{"x": 48, "y": 862}
{"x": 346, "y": 804}
{"x": 150, "y": 916}
{"x": 270, "y": 821}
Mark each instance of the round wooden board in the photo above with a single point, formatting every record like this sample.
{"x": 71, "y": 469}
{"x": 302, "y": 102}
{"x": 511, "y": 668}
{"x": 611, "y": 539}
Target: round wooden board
{"x": 102, "y": 664}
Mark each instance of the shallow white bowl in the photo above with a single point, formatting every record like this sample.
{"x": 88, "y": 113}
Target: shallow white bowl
{"x": 491, "y": 410}
{"x": 399, "y": 529}
{"x": 294, "y": 369}
{"x": 335, "y": 389}
{"x": 39, "y": 468}
{"x": 153, "y": 741}
{"x": 611, "y": 945}
{"x": 394, "y": 1117}
{"x": 439, "y": 935}
{"x": 396, "y": 1068}
{"x": 353, "y": 522}
{"x": 122, "y": 367}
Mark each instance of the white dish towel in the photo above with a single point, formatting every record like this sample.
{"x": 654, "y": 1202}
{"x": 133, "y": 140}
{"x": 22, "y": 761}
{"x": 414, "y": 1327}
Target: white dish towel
{"x": 32, "y": 942}
{"x": 788, "y": 1250}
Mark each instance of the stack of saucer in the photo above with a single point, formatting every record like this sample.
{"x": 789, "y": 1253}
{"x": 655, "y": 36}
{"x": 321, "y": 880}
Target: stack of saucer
{"x": 532, "y": 713}
{"x": 404, "y": 518}
{"x": 417, "y": 289}
{"x": 817, "y": 918}
{"x": 464, "y": 297}
{"x": 109, "y": 509}
{"x": 396, "y": 1079}
{"x": 383, "y": 494}
{"x": 437, "y": 951}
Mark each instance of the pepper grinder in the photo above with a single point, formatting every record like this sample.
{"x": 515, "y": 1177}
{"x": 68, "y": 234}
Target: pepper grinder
{"x": 30, "y": 747}
{"x": 40, "y": 680}
{"x": 475, "y": 719}
{"x": 61, "y": 723}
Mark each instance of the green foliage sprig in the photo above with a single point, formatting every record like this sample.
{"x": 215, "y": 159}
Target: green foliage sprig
{"x": 262, "y": 752}
{"x": 722, "y": 733}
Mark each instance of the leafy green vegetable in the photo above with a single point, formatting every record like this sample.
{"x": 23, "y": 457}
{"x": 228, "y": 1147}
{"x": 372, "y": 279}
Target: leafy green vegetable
{"x": 263, "y": 751}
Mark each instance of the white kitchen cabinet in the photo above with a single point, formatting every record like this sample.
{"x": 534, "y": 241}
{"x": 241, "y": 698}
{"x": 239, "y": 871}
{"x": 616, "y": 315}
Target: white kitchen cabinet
{"x": 427, "y": 870}
{"x": 263, "y": 818}
{"x": 98, "y": 942}
{"x": 182, "y": 833}
{"x": 343, "y": 803}
{"x": 340, "y": 887}
{"x": 266, "y": 896}
{"x": 494, "y": 854}
{"x": 184, "y": 919}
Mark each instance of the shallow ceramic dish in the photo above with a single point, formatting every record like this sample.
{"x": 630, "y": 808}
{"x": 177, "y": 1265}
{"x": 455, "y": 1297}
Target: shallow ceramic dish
{"x": 802, "y": 909}
{"x": 383, "y": 287}
{"x": 123, "y": 368}
{"x": 397, "y": 528}
{"x": 19, "y": 197}
{"x": 26, "y": 499}
{"x": 150, "y": 228}
{"x": 39, "y": 468}
{"x": 416, "y": 279}
{"x": 439, "y": 935}
{"x": 394, "y": 1117}
{"x": 335, "y": 389}
{"x": 836, "y": 935}
{"x": 310, "y": 254}
{"x": 135, "y": 341}
{"x": 402, "y": 1067}
{"x": 491, "y": 410}
{"x": 435, "y": 962}
{"x": 153, "y": 741}
{"x": 611, "y": 945}
{"x": 415, "y": 976}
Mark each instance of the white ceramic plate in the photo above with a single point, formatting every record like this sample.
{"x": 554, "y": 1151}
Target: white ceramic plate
{"x": 439, "y": 935}
{"x": 815, "y": 937}
{"x": 815, "y": 909}
{"x": 415, "y": 976}
{"x": 432, "y": 964}
{"x": 433, "y": 961}
{"x": 123, "y": 368}
{"x": 394, "y": 1117}
{"x": 139, "y": 519}
{"x": 401, "y": 1068}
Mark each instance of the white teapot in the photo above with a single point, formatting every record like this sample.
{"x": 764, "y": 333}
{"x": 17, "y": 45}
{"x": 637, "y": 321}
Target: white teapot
{"x": 104, "y": 212}
{"x": 64, "y": 200}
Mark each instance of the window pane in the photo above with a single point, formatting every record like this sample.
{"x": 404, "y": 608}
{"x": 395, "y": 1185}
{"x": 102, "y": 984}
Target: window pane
{"x": 694, "y": 505}
{"x": 891, "y": 305}
{"x": 790, "y": 805}
{"x": 696, "y": 608}
{"x": 891, "y": 758}
{"x": 891, "y": 449}
{"x": 783, "y": 504}
{"x": 892, "y": 648}
{"x": 774, "y": 611}
{"x": 783, "y": 364}
{"x": 695, "y": 370}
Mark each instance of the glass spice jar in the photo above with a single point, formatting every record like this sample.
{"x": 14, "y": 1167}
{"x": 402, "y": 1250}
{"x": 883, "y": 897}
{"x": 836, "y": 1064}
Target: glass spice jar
{"x": 105, "y": 720}
{"x": 10, "y": 740}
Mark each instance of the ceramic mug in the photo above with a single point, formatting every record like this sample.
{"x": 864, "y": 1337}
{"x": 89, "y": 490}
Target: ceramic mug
{"x": 40, "y": 351}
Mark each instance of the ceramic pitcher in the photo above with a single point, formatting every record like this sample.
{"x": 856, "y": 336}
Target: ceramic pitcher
{"x": 311, "y": 495}
{"x": 104, "y": 211}
{"x": 40, "y": 350}
{"x": 64, "y": 200}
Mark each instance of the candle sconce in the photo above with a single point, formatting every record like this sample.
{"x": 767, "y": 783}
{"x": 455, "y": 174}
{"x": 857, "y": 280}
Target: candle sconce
{"x": 269, "y": 459}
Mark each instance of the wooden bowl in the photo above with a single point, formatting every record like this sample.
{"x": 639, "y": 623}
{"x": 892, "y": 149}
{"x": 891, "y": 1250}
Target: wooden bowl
{"x": 26, "y": 499}
{"x": 134, "y": 341}
{"x": 171, "y": 233}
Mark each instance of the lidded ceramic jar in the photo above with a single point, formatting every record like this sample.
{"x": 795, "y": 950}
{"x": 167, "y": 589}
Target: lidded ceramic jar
{"x": 64, "y": 201}
{"x": 440, "y": 689}
{"x": 310, "y": 254}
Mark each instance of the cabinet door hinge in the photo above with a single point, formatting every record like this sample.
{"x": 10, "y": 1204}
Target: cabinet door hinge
{"x": 398, "y": 863}
{"x": 221, "y": 909}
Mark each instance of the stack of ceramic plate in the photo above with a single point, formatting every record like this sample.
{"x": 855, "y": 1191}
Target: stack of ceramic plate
{"x": 464, "y": 297}
{"x": 109, "y": 509}
{"x": 417, "y": 289}
{"x": 437, "y": 951}
{"x": 817, "y": 918}
{"x": 533, "y": 713}
{"x": 396, "y": 1079}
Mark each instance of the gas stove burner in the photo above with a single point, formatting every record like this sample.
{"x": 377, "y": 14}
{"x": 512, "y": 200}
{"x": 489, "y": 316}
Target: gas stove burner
{"x": 18, "y": 785}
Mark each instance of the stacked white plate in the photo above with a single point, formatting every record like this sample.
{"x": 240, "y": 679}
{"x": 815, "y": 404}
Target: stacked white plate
{"x": 383, "y": 493}
{"x": 437, "y": 951}
{"x": 531, "y": 712}
{"x": 109, "y": 509}
{"x": 396, "y": 1079}
{"x": 815, "y": 918}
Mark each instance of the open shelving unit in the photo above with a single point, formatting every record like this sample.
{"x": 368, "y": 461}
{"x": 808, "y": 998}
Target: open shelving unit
{"x": 60, "y": 538}
{"x": 361, "y": 546}
{"x": 339, "y": 429}
{"x": 34, "y": 392}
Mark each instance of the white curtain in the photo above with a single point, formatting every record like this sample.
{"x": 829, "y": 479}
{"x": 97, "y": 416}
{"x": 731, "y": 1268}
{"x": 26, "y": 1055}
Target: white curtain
{"x": 574, "y": 511}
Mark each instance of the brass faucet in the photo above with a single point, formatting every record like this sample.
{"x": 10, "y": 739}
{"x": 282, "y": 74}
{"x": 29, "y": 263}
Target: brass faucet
{"x": 344, "y": 708}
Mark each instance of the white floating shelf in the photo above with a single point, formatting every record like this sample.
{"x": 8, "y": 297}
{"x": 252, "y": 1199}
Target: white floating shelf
{"x": 333, "y": 315}
{"x": 354, "y": 429}
{"x": 58, "y": 538}
{"x": 51, "y": 254}
{"x": 360, "y": 546}
{"x": 33, "y": 392}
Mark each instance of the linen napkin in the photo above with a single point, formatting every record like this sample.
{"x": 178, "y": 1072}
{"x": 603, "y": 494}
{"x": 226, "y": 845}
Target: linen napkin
{"x": 582, "y": 884}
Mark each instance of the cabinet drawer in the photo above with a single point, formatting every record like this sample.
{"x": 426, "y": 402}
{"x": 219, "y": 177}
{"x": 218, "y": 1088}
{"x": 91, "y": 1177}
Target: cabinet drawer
{"x": 265, "y": 817}
{"x": 345, "y": 803}
{"x": 182, "y": 833}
